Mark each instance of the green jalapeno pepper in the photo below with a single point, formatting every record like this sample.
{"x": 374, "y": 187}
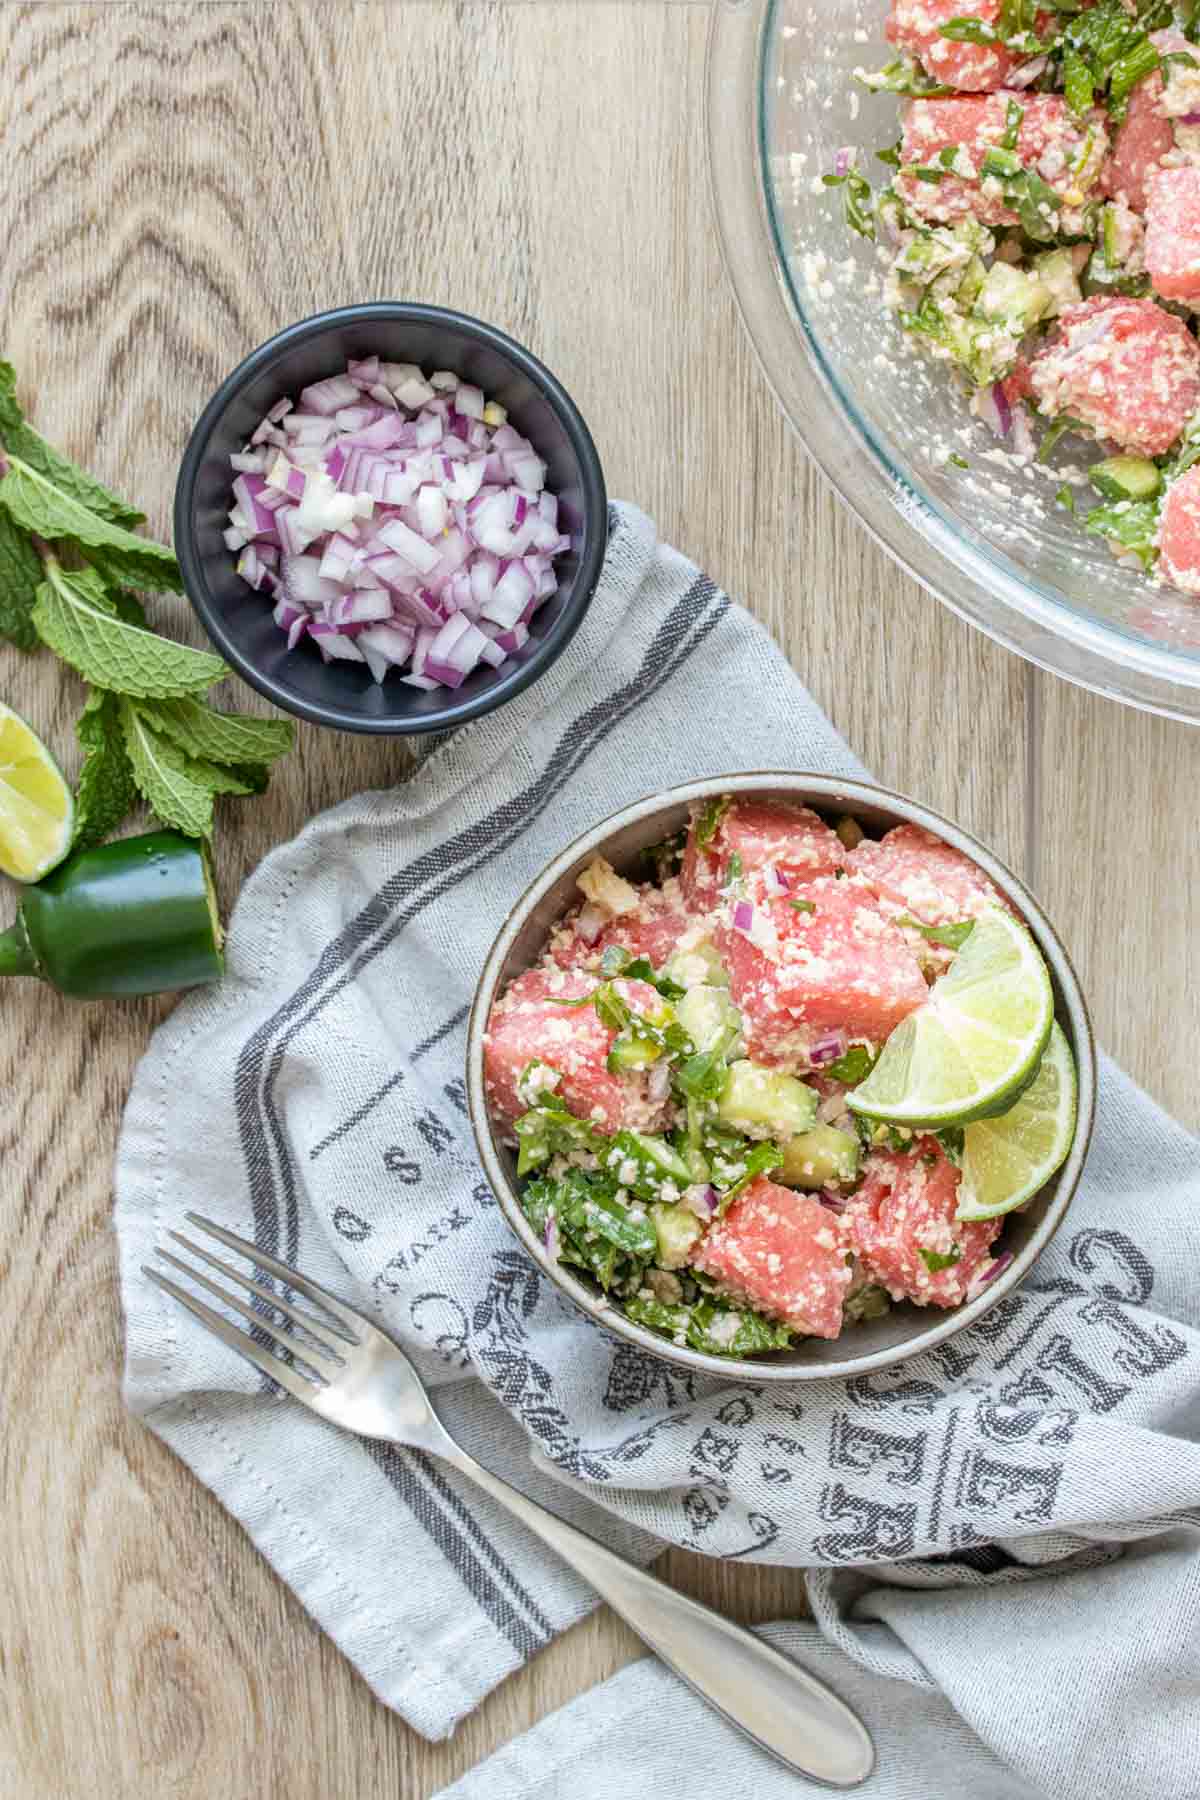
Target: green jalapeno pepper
{"x": 135, "y": 917}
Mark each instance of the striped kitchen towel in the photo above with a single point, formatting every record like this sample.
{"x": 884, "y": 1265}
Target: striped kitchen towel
{"x": 314, "y": 1101}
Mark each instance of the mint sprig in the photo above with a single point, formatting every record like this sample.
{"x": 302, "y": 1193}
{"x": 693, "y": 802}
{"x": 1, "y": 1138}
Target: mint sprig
{"x": 67, "y": 558}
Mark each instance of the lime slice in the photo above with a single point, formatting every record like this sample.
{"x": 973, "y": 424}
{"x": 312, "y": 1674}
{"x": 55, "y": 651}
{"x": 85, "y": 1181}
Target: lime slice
{"x": 975, "y": 1045}
{"x": 1006, "y": 1160}
{"x": 37, "y": 813}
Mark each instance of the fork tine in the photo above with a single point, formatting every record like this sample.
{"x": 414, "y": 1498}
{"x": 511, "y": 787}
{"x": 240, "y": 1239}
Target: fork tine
{"x": 275, "y": 1332}
{"x": 296, "y": 1385}
{"x": 329, "y": 1335}
{"x": 312, "y": 1290}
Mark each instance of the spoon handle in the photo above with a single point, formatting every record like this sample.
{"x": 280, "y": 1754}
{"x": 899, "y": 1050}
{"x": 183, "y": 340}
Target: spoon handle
{"x": 778, "y": 1704}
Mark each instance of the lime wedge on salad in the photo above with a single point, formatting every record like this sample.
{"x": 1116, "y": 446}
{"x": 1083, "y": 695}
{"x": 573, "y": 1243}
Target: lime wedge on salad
{"x": 37, "y": 813}
{"x": 1006, "y": 1160}
{"x": 975, "y": 1045}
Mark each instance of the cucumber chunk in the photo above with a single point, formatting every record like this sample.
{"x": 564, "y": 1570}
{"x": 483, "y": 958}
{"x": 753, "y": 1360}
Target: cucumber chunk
{"x": 1010, "y": 294}
{"x": 706, "y": 1013}
{"x": 678, "y": 1232}
{"x": 822, "y": 1157}
{"x": 762, "y": 1103}
{"x": 1125, "y": 478}
{"x": 699, "y": 965}
{"x": 1055, "y": 269}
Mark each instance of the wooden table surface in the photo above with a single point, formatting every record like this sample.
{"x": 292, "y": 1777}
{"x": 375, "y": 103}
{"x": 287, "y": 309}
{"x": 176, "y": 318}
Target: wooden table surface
{"x": 179, "y": 181}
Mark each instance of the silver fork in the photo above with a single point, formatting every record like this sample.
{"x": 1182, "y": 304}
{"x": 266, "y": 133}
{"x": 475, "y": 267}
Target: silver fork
{"x": 354, "y": 1375}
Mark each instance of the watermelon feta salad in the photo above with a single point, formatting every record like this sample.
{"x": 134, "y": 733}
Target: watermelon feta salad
{"x": 678, "y": 1076}
{"x": 1041, "y": 230}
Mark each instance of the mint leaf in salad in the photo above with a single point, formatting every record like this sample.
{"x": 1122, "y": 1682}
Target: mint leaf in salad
{"x": 951, "y": 937}
{"x": 853, "y": 1066}
{"x": 937, "y": 1260}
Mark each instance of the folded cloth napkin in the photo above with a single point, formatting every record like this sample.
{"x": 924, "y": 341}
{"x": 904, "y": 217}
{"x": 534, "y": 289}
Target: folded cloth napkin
{"x": 1046, "y": 1461}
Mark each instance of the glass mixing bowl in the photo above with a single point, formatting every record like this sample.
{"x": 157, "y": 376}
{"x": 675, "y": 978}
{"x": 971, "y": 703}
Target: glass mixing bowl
{"x": 881, "y": 419}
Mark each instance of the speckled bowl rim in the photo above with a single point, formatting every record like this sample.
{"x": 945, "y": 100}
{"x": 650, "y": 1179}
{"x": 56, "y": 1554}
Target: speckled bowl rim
{"x": 826, "y": 793}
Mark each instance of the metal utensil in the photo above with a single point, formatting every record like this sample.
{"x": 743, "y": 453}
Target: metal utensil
{"x": 350, "y": 1372}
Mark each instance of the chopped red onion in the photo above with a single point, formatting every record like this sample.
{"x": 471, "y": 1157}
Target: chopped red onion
{"x": 845, "y": 160}
{"x": 550, "y": 1235}
{"x": 658, "y": 1083}
{"x": 997, "y": 1268}
{"x": 1028, "y": 73}
{"x": 701, "y": 1199}
{"x": 743, "y": 916}
{"x": 775, "y": 883}
{"x": 837, "y": 1203}
{"x": 1189, "y": 118}
{"x": 590, "y": 924}
{"x": 459, "y": 555}
{"x": 827, "y": 1050}
{"x": 992, "y": 405}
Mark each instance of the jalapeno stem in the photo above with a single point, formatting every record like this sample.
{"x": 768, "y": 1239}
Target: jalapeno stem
{"x": 16, "y": 953}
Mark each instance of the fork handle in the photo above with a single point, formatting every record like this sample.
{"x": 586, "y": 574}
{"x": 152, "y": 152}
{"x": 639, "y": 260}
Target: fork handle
{"x": 779, "y": 1705}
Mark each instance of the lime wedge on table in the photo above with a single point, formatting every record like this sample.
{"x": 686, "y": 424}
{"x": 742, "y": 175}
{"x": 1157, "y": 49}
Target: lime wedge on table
{"x": 975, "y": 1045}
{"x": 37, "y": 813}
{"x": 1007, "y": 1159}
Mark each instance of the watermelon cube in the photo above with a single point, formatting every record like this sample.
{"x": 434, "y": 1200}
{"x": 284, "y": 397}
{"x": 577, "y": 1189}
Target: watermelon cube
{"x": 1173, "y": 233}
{"x": 764, "y": 834}
{"x": 1179, "y": 533}
{"x": 530, "y": 1022}
{"x": 781, "y": 1252}
{"x": 1142, "y": 141}
{"x": 1050, "y": 140}
{"x": 821, "y": 960}
{"x": 916, "y": 26}
{"x": 1125, "y": 368}
{"x": 652, "y": 929}
{"x": 901, "y": 1226}
{"x": 915, "y": 874}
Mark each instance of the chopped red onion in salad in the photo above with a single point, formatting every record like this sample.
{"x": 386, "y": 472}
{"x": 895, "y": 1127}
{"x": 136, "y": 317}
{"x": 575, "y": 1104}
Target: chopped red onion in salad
{"x": 398, "y": 522}
{"x": 827, "y": 1050}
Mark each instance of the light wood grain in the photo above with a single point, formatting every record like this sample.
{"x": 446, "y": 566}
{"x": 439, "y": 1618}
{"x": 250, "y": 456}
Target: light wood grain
{"x": 178, "y": 182}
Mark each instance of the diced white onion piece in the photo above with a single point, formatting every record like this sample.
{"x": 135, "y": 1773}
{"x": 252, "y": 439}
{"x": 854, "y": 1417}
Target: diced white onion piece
{"x": 413, "y": 393}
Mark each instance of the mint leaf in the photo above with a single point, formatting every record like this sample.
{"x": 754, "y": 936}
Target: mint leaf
{"x": 709, "y": 817}
{"x": 23, "y": 441}
{"x": 20, "y": 573}
{"x": 36, "y": 503}
{"x": 179, "y": 788}
{"x": 231, "y": 738}
{"x": 166, "y": 777}
{"x": 951, "y": 937}
{"x": 853, "y": 1066}
{"x": 106, "y": 790}
{"x": 936, "y": 1260}
{"x": 75, "y": 618}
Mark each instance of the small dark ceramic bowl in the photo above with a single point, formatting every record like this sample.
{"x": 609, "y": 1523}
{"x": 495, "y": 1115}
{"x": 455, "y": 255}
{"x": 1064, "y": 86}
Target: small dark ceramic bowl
{"x": 238, "y": 620}
{"x": 906, "y": 1330}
